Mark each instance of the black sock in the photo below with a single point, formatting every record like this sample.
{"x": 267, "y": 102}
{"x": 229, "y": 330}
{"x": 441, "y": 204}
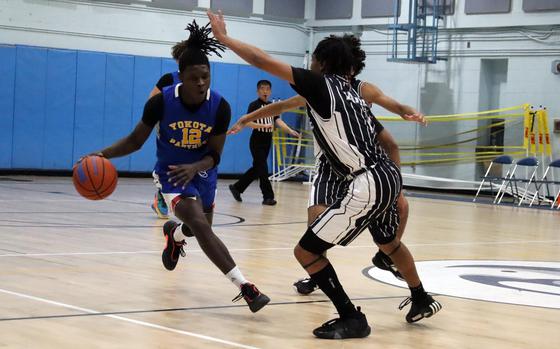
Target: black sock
{"x": 417, "y": 292}
{"x": 328, "y": 283}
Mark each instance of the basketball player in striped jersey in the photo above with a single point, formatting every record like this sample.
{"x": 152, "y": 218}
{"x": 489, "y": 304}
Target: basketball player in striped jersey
{"x": 259, "y": 144}
{"x": 191, "y": 122}
{"x": 172, "y": 78}
{"x": 347, "y": 139}
{"x": 326, "y": 183}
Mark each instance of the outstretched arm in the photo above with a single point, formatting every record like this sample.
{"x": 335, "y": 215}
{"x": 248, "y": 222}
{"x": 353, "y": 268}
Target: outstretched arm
{"x": 280, "y": 123}
{"x": 268, "y": 111}
{"x": 251, "y": 54}
{"x": 373, "y": 94}
{"x": 153, "y": 109}
{"x": 129, "y": 144}
{"x": 254, "y": 125}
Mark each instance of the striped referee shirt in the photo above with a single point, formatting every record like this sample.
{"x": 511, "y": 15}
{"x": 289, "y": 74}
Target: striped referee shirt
{"x": 256, "y": 104}
{"x": 341, "y": 121}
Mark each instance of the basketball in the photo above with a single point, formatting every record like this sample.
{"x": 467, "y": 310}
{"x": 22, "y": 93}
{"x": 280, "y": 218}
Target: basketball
{"x": 94, "y": 177}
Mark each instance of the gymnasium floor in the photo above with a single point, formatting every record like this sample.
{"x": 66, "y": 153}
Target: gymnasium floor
{"x": 86, "y": 274}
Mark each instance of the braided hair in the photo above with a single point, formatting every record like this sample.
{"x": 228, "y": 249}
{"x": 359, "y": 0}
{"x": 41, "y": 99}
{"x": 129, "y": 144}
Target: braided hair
{"x": 198, "y": 46}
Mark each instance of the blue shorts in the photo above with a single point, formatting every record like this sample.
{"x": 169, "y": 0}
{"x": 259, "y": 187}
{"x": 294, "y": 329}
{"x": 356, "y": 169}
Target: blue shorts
{"x": 202, "y": 187}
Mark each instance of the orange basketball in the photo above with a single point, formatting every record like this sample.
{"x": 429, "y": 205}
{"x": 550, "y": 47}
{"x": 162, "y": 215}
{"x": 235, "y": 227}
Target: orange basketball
{"x": 95, "y": 177}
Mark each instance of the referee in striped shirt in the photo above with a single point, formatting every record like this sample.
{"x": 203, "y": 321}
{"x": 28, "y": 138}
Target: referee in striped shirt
{"x": 260, "y": 142}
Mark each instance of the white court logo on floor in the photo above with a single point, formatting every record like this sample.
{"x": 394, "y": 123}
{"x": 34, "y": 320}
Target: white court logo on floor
{"x": 514, "y": 282}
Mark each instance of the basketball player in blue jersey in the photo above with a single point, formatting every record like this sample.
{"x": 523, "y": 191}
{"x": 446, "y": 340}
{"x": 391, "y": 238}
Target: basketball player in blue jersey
{"x": 191, "y": 121}
{"x": 347, "y": 138}
{"x": 159, "y": 206}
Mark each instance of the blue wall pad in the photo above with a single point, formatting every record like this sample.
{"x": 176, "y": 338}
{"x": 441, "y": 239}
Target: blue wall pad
{"x": 117, "y": 121}
{"x": 147, "y": 71}
{"x": 59, "y": 109}
{"x": 29, "y": 107}
{"x": 90, "y": 103}
{"x": 57, "y": 105}
{"x": 7, "y": 91}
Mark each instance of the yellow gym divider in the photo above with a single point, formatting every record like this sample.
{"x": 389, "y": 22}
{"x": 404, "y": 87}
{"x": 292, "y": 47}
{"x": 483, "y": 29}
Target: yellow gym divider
{"x": 290, "y": 155}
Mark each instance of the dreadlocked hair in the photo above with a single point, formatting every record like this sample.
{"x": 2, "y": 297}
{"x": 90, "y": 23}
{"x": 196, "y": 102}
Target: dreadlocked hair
{"x": 198, "y": 46}
{"x": 358, "y": 54}
{"x": 336, "y": 56}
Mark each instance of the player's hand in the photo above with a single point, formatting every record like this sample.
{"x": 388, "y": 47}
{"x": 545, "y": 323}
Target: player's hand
{"x": 294, "y": 133}
{"x": 236, "y": 128}
{"x": 90, "y": 154}
{"x": 218, "y": 24}
{"x": 416, "y": 117}
{"x": 181, "y": 175}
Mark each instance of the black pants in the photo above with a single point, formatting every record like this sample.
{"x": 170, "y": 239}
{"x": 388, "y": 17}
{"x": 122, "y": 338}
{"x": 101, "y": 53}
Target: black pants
{"x": 260, "y": 147}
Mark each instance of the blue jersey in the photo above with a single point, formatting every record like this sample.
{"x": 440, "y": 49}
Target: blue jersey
{"x": 175, "y": 76}
{"x": 182, "y": 135}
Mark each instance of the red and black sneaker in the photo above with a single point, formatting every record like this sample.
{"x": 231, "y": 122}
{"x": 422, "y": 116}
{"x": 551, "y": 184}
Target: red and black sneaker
{"x": 254, "y": 298}
{"x": 172, "y": 250}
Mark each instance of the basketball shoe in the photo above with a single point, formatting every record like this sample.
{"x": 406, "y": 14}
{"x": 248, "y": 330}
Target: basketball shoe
{"x": 305, "y": 286}
{"x": 352, "y": 326}
{"x": 159, "y": 206}
{"x": 255, "y": 299}
{"x": 173, "y": 249}
{"x": 421, "y": 308}
{"x": 384, "y": 262}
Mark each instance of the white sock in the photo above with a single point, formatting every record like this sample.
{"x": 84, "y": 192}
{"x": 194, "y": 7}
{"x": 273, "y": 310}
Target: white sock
{"x": 178, "y": 234}
{"x": 236, "y": 277}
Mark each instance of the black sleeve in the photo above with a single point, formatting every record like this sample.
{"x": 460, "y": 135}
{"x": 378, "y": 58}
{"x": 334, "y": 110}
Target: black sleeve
{"x": 223, "y": 117}
{"x": 164, "y": 81}
{"x": 377, "y": 125}
{"x": 313, "y": 88}
{"x": 252, "y": 107}
{"x": 153, "y": 110}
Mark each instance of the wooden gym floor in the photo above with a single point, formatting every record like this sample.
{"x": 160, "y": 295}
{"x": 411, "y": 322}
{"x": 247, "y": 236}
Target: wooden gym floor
{"x": 88, "y": 274}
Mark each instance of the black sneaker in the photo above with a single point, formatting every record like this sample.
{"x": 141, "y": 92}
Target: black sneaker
{"x": 384, "y": 262}
{"x": 236, "y": 194}
{"x": 352, "y": 326}
{"x": 423, "y": 308}
{"x": 173, "y": 249}
{"x": 305, "y": 286}
{"x": 254, "y": 298}
{"x": 269, "y": 202}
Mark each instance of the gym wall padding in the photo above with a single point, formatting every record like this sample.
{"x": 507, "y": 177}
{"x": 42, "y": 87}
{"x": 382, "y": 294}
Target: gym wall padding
{"x": 29, "y": 107}
{"x": 7, "y": 90}
{"x": 57, "y": 105}
{"x": 146, "y": 71}
{"x": 59, "y": 109}
{"x": 90, "y": 103}
{"x": 117, "y": 121}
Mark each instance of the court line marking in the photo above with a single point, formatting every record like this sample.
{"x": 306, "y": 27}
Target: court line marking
{"x": 164, "y": 310}
{"x": 274, "y": 248}
{"x": 137, "y": 322}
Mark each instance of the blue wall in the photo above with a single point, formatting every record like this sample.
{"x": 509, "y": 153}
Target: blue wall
{"x": 57, "y": 105}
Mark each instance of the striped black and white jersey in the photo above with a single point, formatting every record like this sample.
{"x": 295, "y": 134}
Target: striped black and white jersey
{"x": 341, "y": 120}
{"x": 256, "y": 104}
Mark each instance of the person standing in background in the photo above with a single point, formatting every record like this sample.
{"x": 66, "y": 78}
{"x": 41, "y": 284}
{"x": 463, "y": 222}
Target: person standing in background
{"x": 260, "y": 143}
